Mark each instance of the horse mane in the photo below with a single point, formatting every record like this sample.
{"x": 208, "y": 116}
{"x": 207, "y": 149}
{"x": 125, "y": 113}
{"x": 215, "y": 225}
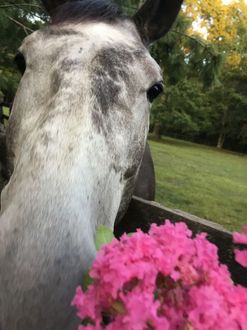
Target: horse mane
{"x": 87, "y": 10}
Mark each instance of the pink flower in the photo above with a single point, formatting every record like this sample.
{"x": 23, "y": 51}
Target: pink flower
{"x": 161, "y": 280}
{"x": 241, "y": 256}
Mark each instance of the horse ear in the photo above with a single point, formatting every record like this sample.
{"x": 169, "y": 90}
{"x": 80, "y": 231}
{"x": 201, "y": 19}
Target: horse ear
{"x": 51, "y": 5}
{"x": 155, "y": 17}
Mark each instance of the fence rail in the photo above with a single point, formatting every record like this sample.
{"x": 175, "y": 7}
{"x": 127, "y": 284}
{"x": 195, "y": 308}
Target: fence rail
{"x": 141, "y": 214}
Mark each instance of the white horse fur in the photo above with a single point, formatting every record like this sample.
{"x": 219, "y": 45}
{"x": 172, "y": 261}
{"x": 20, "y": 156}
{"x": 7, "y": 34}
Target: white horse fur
{"x": 76, "y": 138}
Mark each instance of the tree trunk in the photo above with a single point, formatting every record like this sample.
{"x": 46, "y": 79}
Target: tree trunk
{"x": 222, "y": 135}
{"x": 156, "y": 131}
{"x": 221, "y": 140}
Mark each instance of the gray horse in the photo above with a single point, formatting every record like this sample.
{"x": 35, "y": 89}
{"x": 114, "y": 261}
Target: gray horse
{"x": 76, "y": 138}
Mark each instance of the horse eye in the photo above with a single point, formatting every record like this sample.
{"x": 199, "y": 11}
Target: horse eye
{"x": 20, "y": 62}
{"x": 155, "y": 91}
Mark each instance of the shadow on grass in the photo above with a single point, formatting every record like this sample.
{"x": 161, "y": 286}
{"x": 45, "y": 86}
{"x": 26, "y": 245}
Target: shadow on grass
{"x": 188, "y": 144}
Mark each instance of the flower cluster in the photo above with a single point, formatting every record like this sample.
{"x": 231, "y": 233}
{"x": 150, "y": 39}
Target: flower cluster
{"x": 241, "y": 256}
{"x": 161, "y": 280}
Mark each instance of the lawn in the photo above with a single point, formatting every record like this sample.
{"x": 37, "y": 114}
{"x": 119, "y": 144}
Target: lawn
{"x": 203, "y": 181}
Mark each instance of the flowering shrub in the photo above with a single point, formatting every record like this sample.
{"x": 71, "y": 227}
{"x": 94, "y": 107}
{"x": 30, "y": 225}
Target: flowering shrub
{"x": 162, "y": 280}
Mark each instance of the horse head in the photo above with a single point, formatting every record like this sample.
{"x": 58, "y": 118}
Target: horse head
{"x": 76, "y": 138}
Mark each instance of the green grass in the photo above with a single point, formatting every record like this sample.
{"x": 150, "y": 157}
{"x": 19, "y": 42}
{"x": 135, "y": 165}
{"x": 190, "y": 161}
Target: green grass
{"x": 203, "y": 181}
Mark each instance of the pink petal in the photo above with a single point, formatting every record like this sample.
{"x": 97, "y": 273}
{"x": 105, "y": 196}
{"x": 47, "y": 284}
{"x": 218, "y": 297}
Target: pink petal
{"x": 241, "y": 257}
{"x": 240, "y": 238}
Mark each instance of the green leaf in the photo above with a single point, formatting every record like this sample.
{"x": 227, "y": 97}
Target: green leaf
{"x": 104, "y": 235}
{"x": 87, "y": 280}
{"x": 118, "y": 307}
{"x": 87, "y": 321}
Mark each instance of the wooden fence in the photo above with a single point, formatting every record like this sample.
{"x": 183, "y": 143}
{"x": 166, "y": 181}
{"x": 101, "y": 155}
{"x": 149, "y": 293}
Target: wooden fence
{"x": 142, "y": 213}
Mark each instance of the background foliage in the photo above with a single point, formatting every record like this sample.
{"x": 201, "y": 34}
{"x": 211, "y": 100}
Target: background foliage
{"x": 204, "y": 59}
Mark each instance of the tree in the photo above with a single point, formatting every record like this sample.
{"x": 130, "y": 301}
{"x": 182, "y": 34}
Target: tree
{"x": 17, "y": 19}
{"x": 214, "y": 63}
{"x": 189, "y": 66}
{"x": 229, "y": 102}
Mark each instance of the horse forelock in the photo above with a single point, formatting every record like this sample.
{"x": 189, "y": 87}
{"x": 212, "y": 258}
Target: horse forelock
{"x": 87, "y": 10}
